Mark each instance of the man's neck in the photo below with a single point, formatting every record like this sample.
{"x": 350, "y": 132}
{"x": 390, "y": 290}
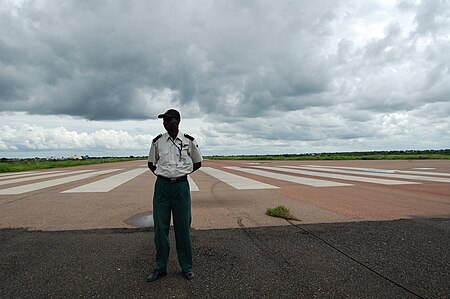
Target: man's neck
{"x": 173, "y": 134}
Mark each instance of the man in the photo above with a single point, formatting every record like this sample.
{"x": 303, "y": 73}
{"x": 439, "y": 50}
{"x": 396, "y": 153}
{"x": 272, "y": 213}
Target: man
{"x": 173, "y": 155}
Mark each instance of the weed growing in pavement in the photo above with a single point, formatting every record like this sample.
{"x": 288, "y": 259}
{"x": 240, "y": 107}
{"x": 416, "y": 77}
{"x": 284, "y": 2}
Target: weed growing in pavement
{"x": 281, "y": 212}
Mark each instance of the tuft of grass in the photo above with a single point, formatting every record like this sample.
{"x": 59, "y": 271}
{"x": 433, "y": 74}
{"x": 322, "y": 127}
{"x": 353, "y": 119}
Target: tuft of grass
{"x": 281, "y": 212}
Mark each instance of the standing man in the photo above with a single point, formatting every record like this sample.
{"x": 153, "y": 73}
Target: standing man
{"x": 173, "y": 155}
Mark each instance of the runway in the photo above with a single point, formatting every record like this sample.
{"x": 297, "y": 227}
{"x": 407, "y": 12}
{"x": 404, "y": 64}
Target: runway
{"x": 223, "y": 192}
{"x": 70, "y": 227}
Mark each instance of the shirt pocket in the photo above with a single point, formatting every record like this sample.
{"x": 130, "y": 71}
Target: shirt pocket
{"x": 164, "y": 157}
{"x": 185, "y": 155}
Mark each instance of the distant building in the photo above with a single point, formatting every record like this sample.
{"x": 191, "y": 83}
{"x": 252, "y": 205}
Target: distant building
{"x": 75, "y": 157}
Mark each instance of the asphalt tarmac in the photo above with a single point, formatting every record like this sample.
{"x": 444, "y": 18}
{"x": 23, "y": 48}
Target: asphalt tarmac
{"x": 379, "y": 259}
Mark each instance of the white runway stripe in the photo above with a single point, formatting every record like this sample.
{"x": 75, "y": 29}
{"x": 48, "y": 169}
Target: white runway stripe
{"x": 337, "y": 176}
{"x": 350, "y": 168}
{"x": 382, "y": 174}
{"x": 24, "y": 174}
{"x": 15, "y": 173}
{"x": 388, "y": 170}
{"x": 192, "y": 185}
{"x": 46, "y": 184}
{"x": 108, "y": 183}
{"x": 236, "y": 181}
{"x": 38, "y": 177}
{"x": 290, "y": 178}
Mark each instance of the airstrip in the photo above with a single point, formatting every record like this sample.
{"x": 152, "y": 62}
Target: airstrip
{"x": 225, "y": 192}
{"x": 366, "y": 229}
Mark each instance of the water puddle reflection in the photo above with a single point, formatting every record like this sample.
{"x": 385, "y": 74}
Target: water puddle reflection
{"x": 141, "y": 220}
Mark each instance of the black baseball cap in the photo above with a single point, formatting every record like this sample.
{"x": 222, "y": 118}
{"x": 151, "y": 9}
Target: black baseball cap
{"x": 171, "y": 113}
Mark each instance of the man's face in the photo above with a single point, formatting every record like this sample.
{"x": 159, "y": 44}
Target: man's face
{"x": 170, "y": 124}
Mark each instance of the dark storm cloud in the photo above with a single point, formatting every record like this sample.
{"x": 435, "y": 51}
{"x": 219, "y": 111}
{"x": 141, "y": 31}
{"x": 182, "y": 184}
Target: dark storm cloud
{"x": 89, "y": 58}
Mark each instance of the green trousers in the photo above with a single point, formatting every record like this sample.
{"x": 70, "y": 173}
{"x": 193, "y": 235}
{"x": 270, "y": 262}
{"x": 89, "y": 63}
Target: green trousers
{"x": 172, "y": 198}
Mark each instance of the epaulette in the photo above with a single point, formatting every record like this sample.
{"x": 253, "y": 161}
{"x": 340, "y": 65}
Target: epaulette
{"x": 156, "y": 138}
{"x": 189, "y": 137}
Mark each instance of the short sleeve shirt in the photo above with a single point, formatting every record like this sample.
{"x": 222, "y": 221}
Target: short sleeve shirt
{"x": 174, "y": 158}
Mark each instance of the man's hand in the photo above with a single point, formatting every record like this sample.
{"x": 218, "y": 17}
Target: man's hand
{"x": 197, "y": 166}
{"x": 151, "y": 167}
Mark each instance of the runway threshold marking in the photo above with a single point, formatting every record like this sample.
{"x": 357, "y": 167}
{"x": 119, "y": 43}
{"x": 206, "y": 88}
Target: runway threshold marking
{"x": 37, "y": 177}
{"x": 387, "y": 170}
{"x": 16, "y": 174}
{"x": 338, "y": 176}
{"x": 192, "y": 185}
{"x": 109, "y": 183}
{"x": 389, "y": 175}
{"x": 41, "y": 185}
{"x": 236, "y": 181}
{"x": 414, "y": 172}
{"x": 291, "y": 178}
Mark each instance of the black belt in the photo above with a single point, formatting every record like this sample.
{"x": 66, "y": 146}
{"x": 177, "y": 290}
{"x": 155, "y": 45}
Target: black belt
{"x": 173, "y": 180}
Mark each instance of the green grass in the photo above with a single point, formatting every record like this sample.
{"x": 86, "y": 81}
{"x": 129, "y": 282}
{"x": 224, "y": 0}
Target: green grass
{"x": 32, "y": 164}
{"x": 26, "y": 165}
{"x": 378, "y": 155}
{"x": 281, "y": 212}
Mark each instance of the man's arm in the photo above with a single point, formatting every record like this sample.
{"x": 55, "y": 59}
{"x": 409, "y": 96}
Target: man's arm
{"x": 153, "y": 154}
{"x": 151, "y": 167}
{"x": 197, "y": 166}
{"x": 194, "y": 153}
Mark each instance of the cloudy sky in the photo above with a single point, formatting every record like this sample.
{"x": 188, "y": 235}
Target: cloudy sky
{"x": 249, "y": 77}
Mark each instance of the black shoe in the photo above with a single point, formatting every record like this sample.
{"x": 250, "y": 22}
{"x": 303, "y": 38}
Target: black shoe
{"x": 155, "y": 275}
{"x": 188, "y": 275}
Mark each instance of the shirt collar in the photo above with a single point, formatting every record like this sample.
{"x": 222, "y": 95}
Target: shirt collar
{"x": 179, "y": 136}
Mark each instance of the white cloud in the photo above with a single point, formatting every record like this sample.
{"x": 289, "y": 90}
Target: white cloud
{"x": 30, "y": 137}
{"x": 263, "y": 76}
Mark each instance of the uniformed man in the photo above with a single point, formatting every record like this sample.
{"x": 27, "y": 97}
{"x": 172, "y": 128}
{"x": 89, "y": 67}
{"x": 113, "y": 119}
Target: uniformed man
{"x": 173, "y": 155}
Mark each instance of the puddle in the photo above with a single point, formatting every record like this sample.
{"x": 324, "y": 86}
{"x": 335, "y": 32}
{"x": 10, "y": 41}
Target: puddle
{"x": 141, "y": 220}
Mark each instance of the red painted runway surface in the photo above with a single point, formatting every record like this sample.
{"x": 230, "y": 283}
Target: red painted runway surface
{"x": 107, "y": 195}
